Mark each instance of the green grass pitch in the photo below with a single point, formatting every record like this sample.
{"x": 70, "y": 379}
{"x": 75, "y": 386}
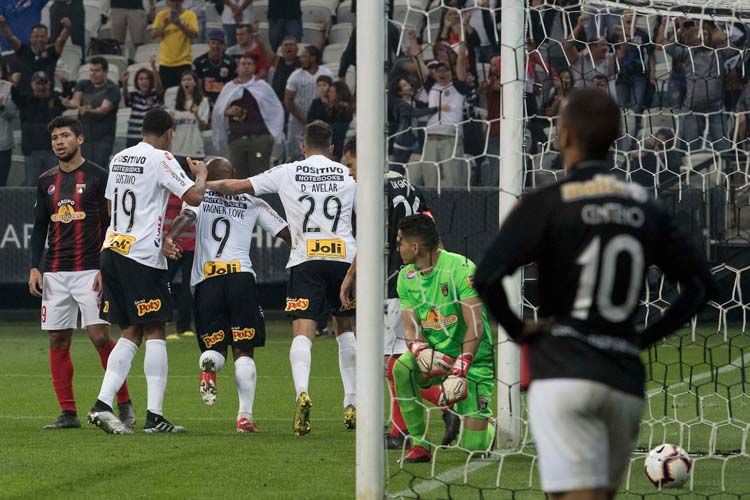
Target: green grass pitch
{"x": 212, "y": 460}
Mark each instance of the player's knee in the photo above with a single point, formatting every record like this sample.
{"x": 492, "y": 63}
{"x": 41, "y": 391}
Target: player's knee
{"x": 99, "y": 336}
{"x": 59, "y": 339}
{"x": 403, "y": 367}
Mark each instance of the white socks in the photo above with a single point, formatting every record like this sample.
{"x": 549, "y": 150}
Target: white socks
{"x": 212, "y": 357}
{"x": 245, "y": 377}
{"x": 118, "y": 367}
{"x": 348, "y": 366}
{"x": 300, "y": 358}
{"x": 155, "y": 369}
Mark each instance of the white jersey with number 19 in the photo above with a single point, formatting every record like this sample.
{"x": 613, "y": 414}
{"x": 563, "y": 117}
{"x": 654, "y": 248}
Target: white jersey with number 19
{"x": 318, "y": 197}
{"x": 139, "y": 183}
{"x": 224, "y": 227}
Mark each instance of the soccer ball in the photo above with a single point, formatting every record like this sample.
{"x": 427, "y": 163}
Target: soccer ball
{"x": 668, "y": 466}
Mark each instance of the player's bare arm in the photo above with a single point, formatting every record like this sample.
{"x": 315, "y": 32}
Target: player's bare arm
{"x": 170, "y": 248}
{"x": 194, "y": 195}
{"x": 285, "y": 235}
{"x": 349, "y": 285}
{"x": 232, "y": 186}
{"x": 35, "y": 282}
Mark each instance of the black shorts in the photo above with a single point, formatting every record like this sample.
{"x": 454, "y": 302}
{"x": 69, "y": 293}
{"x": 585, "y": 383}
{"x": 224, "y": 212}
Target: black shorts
{"x": 313, "y": 290}
{"x": 133, "y": 294}
{"x": 227, "y": 313}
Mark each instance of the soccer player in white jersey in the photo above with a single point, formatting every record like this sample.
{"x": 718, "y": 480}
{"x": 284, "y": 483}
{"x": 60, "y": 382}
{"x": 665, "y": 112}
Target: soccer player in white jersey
{"x": 135, "y": 292}
{"x": 318, "y": 198}
{"x": 226, "y": 306}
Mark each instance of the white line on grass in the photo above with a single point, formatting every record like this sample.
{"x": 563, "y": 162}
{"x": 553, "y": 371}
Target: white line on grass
{"x": 458, "y": 472}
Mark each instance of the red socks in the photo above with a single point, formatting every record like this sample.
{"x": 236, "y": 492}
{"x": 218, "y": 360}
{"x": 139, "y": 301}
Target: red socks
{"x": 61, "y": 368}
{"x": 122, "y": 395}
{"x": 399, "y": 426}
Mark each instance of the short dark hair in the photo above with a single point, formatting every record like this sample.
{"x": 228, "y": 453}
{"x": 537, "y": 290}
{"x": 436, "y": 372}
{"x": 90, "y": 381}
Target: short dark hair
{"x": 242, "y": 25}
{"x": 421, "y": 227}
{"x": 592, "y": 118}
{"x": 314, "y": 51}
{"x": 65, "y": 121}
{"x": 318, "y": 135}
{"x": 324, "y": 78}
{"x": 351, "y": 147}
{"x": 100, "y": 61}
{"x": 156, "y": 122}
{"x": 40, "y": 26}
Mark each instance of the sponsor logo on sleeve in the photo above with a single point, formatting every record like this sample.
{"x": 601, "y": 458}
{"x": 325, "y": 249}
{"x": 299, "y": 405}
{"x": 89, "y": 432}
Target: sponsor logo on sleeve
{"x": 296, "y": 304}
{"x": 148, "y": 306}
{"x": 243, "y": 334}
{"x": 213, "y": 339}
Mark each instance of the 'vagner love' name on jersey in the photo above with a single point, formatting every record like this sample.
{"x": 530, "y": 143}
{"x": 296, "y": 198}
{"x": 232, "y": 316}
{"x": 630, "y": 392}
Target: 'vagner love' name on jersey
{"x": 224, "y": 232}
{"x": 139, "y": 183}
{"x": 318, "y": 198}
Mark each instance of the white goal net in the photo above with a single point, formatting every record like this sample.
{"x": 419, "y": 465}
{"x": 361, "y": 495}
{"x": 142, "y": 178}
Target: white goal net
{"x": 680, "y": 71}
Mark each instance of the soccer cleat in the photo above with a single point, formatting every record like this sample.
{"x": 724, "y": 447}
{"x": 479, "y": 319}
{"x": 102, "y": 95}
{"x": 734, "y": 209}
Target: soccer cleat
{"x": 246, "y": 425}
{"x": 127, "y": 414}
{"x": 452, "y": 427}
{"x": 107, "y": 421}
{"x": 188, "y": 333}
{"x": 417, "y": 455}
{"x": 65, "y": 421}
{"x": 158, "y": 424}
{"x": 207, "y": 385}
{"x": 173, "y": 336}
{"x": 350, "y": 417}
{"x": 395, "y": 442}
{"x": 301, "y": 423}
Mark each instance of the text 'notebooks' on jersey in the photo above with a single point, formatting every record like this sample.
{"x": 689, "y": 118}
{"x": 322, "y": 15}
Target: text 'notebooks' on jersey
{"x": 318, "y": 197}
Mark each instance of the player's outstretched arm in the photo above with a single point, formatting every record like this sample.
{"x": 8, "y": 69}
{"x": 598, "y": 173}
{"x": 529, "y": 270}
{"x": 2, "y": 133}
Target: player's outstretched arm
{"x": 232, "y": 186}
{"x": 194, "y": 195}
{"x": 170, "y": 248}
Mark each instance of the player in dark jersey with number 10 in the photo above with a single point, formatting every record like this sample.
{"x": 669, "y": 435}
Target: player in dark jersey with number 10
{"x": 71, "y": 213}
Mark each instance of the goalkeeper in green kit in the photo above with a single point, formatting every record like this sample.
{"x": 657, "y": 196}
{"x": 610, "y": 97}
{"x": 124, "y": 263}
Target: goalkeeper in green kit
{"x": 439, "y": 302}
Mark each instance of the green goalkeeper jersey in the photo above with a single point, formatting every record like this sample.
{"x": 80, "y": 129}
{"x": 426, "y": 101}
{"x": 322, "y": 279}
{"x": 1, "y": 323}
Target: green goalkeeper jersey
{"x": 436, "y": 300}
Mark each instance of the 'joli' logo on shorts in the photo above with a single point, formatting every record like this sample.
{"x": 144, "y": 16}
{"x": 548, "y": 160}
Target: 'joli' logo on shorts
{"x": 149, "y": 306}
{"x": 213, "y": 339}
{"x": 326, "y": 248}
{"x": 244, "y": 334}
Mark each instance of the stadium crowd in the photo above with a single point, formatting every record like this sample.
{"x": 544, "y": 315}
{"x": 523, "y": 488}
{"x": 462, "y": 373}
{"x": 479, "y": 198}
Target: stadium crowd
{"x": 681, "y": 82}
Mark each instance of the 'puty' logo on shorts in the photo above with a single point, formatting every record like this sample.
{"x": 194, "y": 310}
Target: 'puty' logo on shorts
{"x": 148, "y": 306}
{"x": 243, "y": 334}
{"x": 213, "y": 339}
{"x": 296, "y": 304}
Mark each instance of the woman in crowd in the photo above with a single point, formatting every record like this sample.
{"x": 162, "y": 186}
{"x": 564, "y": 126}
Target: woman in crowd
{"x": 148, "y": 95}
{"x": 191, "y": 116}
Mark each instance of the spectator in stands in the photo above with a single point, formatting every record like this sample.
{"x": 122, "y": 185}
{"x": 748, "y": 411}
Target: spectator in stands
{"x": 563, "y": 85}
{"x": 407, "y": 110}
{"x": 75, "y": 11}
{"x": 443, "y": 147}
{"x": 176, "y": 28}
{"x": 191, "y": 114}
{"x": 703, "y": 58}
{"x": 247, "y": 117}
{"x": 637, "y": 68}
{"x": 148, "y": 95}
{"x": 22, "y": 17}
{"x": 96, "y": 100}
{"x": 335, "y": 106}
{"x": 214, "y": 68}
{"x": 601, "y": 82}
{"x": 129, "y": 16}
{"x": 236, "y": 13}
{"x": 318, "y": 108}
{"x": 492, "y": 90}
{"x": 284, "y": 65}
{"x": 596, "y": 59}
{"x": 38, "y": 54}
{"x": 453, "y": 31}
{"x": 8, "y": 113}
{"x": 284, "y": 19}
{"x": 656, "y": 160}
{"x": 37, "y": 109}
{"x": 301, "y": 88}
{"x": 184, "y": 264}
{"x": 250, "y": 44}
{"x": 743, "y": 109}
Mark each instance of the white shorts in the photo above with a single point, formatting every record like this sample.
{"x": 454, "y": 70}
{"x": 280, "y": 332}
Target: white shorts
{"x": 394, "y": 328}
{"x": 584, "y": 431}
{"x": 64, "y": 294}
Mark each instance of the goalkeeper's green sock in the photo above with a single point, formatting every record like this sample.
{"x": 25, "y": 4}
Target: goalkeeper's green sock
{"x": 405, "y": 376}
{"x": 478, "y": 440}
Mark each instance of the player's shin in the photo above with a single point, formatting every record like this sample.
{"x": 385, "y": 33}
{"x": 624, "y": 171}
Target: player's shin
{"x": 478, "y": 440}
{"x": 123, "y": 396}
{"x": 406, "y": 375}
{"x": 399, "y": 426}
{"x": 118, "y": 367}
{"x": 245, "y": 375}
{"x": 300, "y": 357}
{"x": 61, "y": 369}
{"x": 348, "y": 366}
{"x": 155, "y": 369}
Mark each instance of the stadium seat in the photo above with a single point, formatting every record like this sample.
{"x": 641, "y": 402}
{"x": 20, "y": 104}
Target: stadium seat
{"x": 263, "y": 31}
{"x": 93, "y": 17}
{"x": 123, "y": 115}
{"x": 332, "y": 53}
{"x": 113, "y": 74}
{"x": 71, "y": 56}
{"x": 260, "y": 9}
{"x": 339, "y": 33}
{"x": 310, "y": 33}
{"x": 170, "y": 97}
{"x": 212, "y": 15}
{"x": 409, "y": 12}
{"x": 145, "y": 51}
{"x": 199, "y": 49}
{"x": 314, "y": 11}
{"x": 344, "y": 12}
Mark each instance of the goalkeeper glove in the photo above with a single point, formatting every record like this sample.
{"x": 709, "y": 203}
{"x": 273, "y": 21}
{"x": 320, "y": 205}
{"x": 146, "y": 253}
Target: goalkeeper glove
{"x": 454, "y": 389}
{"x": 462, "y": 365}
{"x": 432, "y": 363}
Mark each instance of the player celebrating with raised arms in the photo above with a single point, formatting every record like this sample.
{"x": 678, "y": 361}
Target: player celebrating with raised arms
{"x": 592, "y": 236}
{"x": 134, "y": 272}
{"x": 318, "y": 198}
{"x": 71, "y": 213}
{"x": 439, "y": 302}
{"x": 226, "y": 306}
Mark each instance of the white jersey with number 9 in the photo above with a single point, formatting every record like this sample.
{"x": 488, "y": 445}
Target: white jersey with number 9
{"x": 318, "y": 198}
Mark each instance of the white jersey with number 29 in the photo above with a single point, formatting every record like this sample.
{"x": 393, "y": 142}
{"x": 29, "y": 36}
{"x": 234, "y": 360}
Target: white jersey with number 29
{"x": 139, "y": 183}
{"x": 224, "y": 228}
{"x": 318, "y": 198}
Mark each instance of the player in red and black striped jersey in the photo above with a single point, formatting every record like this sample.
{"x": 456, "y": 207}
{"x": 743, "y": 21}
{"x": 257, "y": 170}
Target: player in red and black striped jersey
{"x": 71, "y": 214}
